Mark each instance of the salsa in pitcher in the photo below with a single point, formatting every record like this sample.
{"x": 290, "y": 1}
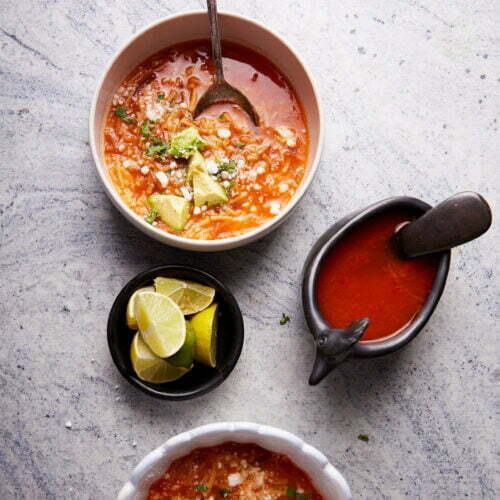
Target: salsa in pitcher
{"x": 363, "y": 276}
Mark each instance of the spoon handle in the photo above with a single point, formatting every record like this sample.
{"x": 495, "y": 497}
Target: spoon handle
{"x": 215, "y": 37}
{"x": 457, "y": 220}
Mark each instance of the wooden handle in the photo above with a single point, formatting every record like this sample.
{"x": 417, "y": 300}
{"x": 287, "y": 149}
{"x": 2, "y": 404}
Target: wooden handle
{"x": 215, "y": 40}
{"x": 457, "y": 220}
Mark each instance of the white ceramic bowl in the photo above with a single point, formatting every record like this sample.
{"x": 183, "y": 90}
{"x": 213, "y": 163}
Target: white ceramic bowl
{"x": 192, "y": 26}
{"x": 327, "y": 479}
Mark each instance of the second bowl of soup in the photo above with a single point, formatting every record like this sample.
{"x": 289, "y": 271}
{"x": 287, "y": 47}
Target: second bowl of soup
{"x": 217, "y": 181}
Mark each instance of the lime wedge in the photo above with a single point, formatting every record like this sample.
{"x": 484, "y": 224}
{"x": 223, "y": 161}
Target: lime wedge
{"x": 150, "y": 367}
{"x": 185, "y": 356}
{"x": 131, "y": 321}
{"x": 160, "y": 322}
{"x": 190, "y": 297}
{"x": 205, "y": 327}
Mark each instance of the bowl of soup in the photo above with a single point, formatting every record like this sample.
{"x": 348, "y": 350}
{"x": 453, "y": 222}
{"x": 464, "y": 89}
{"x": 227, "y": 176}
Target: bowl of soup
{"x": 235, "y": 460}
{"x": 215, "y": 182}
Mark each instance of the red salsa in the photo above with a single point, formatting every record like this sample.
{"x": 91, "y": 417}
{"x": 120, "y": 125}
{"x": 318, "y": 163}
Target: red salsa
{"x": 363, "y": 276}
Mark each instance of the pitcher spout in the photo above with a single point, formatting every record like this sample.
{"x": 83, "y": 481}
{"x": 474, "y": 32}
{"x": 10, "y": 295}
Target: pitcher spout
{"x": 333, "y": 347}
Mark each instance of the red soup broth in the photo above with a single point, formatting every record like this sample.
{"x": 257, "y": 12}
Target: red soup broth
{"x": 234, "y": 471}
{"x": 362, "y": 276}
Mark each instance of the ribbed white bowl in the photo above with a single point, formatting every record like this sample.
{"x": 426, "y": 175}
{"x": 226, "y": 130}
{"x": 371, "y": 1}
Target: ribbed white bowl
{"x": 325, "y": 476}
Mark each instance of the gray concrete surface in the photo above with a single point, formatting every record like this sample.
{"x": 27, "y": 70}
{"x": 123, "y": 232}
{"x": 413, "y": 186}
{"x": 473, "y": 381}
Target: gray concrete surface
{"x": 410, "y": 90}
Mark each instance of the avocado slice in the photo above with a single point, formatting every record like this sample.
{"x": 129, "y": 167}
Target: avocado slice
{"x": 208, "y": 191}
{"x": 196, "y": 164}
{"x": 173, "y": 210}
{"x": 185, "y": 143}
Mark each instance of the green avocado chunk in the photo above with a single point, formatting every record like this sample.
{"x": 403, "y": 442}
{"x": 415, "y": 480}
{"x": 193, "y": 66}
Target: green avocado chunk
{"x": 196, "y": 164}
{"x": 207, "y": 190}
{"x": 173, "y": 210}
{"x": 185, "y": 355}
{"x": 185, "y": 143}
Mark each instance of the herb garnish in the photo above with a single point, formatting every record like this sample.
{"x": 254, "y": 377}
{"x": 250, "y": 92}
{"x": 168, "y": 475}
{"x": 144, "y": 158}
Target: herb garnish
{"x": 121, "y": 111}
{"x": 151, "y": 216}
{"x": 229, "y": 167}
{"x": 222, "y": 116}
{"x": 224, "y": 492}
{"x": 157, "y": 147}
{"x": 145, "y": 125}
{"x": 293, "y": 493}
{"x": 364, "y": 437}
{"x": 240, "y": 145}
{"x": 160, "y": 97}
{"x": 284, "y": 319}
{"x": 201, "y": 487}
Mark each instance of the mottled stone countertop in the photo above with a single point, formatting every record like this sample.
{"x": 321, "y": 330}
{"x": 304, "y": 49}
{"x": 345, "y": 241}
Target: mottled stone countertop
{"x": 411, "y": 97}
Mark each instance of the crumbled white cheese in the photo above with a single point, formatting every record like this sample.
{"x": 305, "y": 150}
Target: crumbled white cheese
{"x": 226, "y": 184}
{"x": 154, "y": 223}
{"x": 211, "y": 166}
{"x": 283, "y": 187}
{"x": 260, "y": 169}
{"x": 145, "y": 170}
{"x": 186, "y": 193}
{"x": 234, "y": 479}
{"x": 129, "y": 163}
{"x": 274, "y": 207}
{"x": 226, "y": 175}
{"x": 172, "y": 164}
{"x": 240, "y": 163}
{"x": 291, "y": 143}
{"x": 203, "y": 208}
{"x": 183, "y": 105}
{"x": 223, "y": 133}
{"x": 162, "y": 177}
{"x": 68, "y": 424}
{"x": 196, "y": 210}
{"x": 284, "y": 132}
{"x": 154, "y": 111}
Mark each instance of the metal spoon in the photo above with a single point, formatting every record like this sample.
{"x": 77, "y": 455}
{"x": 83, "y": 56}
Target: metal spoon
{"x": 220, "y": 91}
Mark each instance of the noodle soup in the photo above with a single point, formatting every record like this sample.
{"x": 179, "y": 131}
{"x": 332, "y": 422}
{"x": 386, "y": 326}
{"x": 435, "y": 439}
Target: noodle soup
{"x": 217, "y": 176}
{"x": 234, "y": 471}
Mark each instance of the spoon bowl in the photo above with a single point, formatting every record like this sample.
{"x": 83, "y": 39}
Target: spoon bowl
{"x": 220, "y": 91}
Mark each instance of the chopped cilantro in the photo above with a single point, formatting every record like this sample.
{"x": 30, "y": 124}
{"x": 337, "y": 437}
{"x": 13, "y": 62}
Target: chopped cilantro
{"x": 293, "y": 493}
{"x": 240, "y": 145}
{"x": 201, "y": 487}
{"x": 224, "y": 492}
{"x": 160, "y": 97}
{"x": 284, "y": 319}
{"x": 121, "y": 111}
{"x": 364, "y": 437}
{"x": 157, "y": 147}
{"x": 229, "y": 167}
{"x": 222, "y": 116}
{"x": 151, "y": 216}
{"x": 145, "y": 125}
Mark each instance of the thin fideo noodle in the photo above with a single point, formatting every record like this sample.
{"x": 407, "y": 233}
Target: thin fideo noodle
{"x": 270, "y": 159}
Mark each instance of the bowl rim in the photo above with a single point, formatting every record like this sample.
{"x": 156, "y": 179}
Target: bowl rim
{"x": 237, "y": 428}
{"x": 330, "y": 238}
{"x": 179, "y": 241}
{"x": 230, "y": 299}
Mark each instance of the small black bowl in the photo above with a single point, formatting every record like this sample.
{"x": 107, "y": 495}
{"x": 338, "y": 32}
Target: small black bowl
{"x": 201, "y": 379}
